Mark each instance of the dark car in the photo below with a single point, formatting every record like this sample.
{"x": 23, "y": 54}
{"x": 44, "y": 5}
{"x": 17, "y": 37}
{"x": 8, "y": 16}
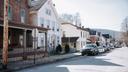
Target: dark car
{"x": 89, "y": 49}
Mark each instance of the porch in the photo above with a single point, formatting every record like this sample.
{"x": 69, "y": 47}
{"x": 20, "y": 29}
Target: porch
{"x": 22, "y": 43}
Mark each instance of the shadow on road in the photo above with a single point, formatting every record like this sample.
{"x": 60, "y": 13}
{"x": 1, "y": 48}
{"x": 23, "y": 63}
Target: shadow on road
{"x": 92, "y": 60}
{"x": 63, "y": 66}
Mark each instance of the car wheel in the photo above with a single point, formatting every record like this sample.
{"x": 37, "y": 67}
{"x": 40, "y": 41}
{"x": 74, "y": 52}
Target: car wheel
{"x": 88, "y": 54}
{"x": 82, "y": 54}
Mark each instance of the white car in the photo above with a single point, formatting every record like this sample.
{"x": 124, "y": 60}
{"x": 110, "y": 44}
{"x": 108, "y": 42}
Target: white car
{"x": 101, "y": 49}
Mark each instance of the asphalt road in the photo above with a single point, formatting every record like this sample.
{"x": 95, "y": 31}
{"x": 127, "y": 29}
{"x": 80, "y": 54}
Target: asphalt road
{"x": 114, "y": 61}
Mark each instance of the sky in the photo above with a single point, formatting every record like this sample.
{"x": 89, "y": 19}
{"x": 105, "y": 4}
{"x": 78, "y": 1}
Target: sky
{"x": 103, "y": 14}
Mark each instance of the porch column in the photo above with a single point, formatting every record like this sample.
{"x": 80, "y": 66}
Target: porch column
{"x": 24, "y": 43}
{"x": 25, "y": 38}
{"x": 46, "y": 44}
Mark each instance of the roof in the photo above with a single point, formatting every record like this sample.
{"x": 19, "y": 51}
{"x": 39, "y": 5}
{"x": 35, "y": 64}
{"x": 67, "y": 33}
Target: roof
{"x": 38, "y": 5}
{"x": 69, "y": 39}
{"x": 21, "y": 25}
{"x": 74, "y": 26}
{"x": 106, "y": 35}
{"x": 92, "y": 32}
{"x": 82, "y": 28}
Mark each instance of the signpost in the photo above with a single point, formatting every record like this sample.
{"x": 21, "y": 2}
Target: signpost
{"x": 5, "y": 36}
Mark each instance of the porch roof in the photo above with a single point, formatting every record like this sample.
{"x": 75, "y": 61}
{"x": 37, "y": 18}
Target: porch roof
{"x": 22, "y": 25}
{"x": 69, "y": 39}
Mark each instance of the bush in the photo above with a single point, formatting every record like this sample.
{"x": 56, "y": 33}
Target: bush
{"x": 67, "y": 49}
{"x": 58, "y": 49}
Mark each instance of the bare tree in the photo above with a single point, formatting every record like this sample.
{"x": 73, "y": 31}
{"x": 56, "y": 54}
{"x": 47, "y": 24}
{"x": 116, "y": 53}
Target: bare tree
{"x": 125, "y": 30}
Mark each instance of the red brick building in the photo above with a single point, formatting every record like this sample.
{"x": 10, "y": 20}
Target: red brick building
{"x": 20, "y": 31}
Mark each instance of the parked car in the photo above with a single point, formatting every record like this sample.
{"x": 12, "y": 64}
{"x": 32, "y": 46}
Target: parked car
{"x": 107, "y": 48}
{"x": 89, "y": 49}
{"x": 101, "y": 49}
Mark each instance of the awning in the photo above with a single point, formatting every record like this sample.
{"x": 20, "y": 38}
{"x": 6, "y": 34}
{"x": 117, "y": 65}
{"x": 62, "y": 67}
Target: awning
{"x": 69, "y": 39}
{"x": 21, "y": 25}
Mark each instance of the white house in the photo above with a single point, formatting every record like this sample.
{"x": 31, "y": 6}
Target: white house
{"x": 73, "y": 35}
{"x": 47, "y": 17}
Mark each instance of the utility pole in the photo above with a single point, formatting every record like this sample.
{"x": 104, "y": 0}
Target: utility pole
{"x": 5, "y": 36}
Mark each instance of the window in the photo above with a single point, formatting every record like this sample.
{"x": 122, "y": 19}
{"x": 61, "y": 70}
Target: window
{"x": 81, "y": 44}
{"x": 42, "y": 41}
{"x": 53, "y": 25}
{"x": 22, "y": 15}
{"x": 10, "y": 12}
{"x": 64, "y": 34}
{"x": 81, "y": 33}
{"x": 42, "y": 22}
{"x": 48, "y": 23}
{"x": 53, "y": 29}
{"x": 47, "y": 26}
{"x": 17, "y": 1}
{"x": 74, "y": 45}
{"x": 58, "y": 29}
{"x": 42, "y": 25}
{"x": 58, "y": 38}
{"x": 48, "y": 11}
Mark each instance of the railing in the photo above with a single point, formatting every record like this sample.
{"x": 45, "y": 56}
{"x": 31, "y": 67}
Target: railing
{"x": 20, "y": 57}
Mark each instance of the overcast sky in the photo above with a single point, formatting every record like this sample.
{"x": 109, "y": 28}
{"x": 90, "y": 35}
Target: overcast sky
{"x": 105, "y": 14}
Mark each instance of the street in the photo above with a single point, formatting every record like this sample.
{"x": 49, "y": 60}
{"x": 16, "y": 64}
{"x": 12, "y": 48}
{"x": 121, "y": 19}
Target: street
{"x": 114, "y": 61}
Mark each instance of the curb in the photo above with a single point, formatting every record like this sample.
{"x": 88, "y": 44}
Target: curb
{"x": 39, "y": 64}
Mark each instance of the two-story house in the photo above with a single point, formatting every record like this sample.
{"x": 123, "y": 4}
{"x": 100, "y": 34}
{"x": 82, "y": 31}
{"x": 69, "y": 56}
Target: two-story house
{"x": 47, "y": 17}
{"x": 21, "y": 36}
{"x": 76, "y": 37}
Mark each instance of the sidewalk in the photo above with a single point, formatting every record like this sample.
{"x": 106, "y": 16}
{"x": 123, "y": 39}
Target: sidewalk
{"x": 51, "y": 59}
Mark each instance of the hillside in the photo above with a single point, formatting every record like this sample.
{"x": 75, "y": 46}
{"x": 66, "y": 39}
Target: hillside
{"x": 115, "y": 34}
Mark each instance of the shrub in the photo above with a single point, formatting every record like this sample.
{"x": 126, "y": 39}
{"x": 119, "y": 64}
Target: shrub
{"x": 67, "y": 49}
{"x": 58, "y": 49}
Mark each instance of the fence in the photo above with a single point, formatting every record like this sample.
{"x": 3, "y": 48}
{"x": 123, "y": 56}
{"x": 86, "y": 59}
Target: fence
{"x": 22, "y": 57}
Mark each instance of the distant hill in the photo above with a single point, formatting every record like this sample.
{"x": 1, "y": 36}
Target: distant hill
{"x": 115, "y": 34}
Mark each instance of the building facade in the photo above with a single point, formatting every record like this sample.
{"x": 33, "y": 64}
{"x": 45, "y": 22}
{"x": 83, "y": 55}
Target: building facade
{"x": 21, "y": 39}
{"x": 73, "y": 35}
{"x": 18, "y": 23}
{"x": 47, "y": 17}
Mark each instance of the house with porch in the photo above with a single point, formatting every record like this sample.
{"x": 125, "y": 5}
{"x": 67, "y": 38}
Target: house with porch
{"x": 46, "y": 16}
{"x": 22, "y": 38}
{"x": 75, "y": 36}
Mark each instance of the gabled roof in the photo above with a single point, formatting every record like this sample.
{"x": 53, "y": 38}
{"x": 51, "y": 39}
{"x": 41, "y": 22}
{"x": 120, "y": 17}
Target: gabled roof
{"x": 74, "y": 26}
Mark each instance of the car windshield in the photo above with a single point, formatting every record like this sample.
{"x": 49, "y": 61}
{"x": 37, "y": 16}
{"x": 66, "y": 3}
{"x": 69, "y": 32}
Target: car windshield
{"x": 90, "y": 46}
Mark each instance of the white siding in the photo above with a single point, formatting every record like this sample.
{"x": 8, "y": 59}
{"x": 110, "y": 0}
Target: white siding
{"x": 72, "y": 31}
{"x": 49, "y": 16}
